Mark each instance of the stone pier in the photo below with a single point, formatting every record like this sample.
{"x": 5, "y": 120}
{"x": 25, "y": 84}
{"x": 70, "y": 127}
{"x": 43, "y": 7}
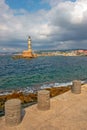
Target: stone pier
{"x": 67, "y": 111}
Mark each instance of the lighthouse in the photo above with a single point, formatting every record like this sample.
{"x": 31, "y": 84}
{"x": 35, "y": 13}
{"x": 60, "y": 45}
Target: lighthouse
{"x": 29, "y": 44}
{"x": 29, "y": 53}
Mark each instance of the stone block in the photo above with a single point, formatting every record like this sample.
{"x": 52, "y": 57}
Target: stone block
{"x": 76, "y": 87}
{"x": 13, "y": 112}
{"x": 43, "y": 100}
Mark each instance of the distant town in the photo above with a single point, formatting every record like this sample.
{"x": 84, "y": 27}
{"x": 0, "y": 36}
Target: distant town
{"x": 65, "y": 53}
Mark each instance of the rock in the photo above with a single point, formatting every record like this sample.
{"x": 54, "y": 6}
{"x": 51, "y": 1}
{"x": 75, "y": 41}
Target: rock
{"x": 31, "y": 97}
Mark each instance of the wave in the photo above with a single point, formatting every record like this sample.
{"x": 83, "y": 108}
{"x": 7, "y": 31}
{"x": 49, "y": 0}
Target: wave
{"x": 34, "y": 89}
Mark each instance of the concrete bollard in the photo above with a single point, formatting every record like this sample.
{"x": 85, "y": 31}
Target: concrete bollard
{"x": 43, "y": 100}
{"x": 13, "y": 112}
{"x": 76, "y": 87}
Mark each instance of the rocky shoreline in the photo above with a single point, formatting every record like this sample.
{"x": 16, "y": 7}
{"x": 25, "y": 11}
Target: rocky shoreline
{"x": 29, "y": 98}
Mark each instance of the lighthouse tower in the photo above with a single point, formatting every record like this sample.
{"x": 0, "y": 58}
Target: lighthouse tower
{"x": 29, "y": 44}
{"x": 29, "y": 53}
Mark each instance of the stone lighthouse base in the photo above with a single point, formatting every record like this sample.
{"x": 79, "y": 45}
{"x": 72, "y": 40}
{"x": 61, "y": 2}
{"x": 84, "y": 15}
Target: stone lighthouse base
{"x": 28, "y": 54}
{"x": 25, "y": 54}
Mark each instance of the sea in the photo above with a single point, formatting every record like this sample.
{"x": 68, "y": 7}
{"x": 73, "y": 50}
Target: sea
{"x": 30, "y": 75}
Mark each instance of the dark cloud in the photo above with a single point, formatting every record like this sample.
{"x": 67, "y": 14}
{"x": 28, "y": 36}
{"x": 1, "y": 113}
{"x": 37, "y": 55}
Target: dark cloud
{"x": 61, "y": 27}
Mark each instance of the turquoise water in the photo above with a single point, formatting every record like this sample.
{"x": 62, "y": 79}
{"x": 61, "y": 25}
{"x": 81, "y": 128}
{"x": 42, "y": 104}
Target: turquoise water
{"x": 41, "y": 71}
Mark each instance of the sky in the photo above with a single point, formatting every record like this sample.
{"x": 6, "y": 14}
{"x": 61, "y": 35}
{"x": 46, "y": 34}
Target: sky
{"x": 52, "y": 24}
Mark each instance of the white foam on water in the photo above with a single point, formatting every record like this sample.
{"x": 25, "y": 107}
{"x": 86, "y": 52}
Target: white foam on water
{"x": 62, "y": 84}
{"x": 55, "y": 85}
{"x": 32, "y": 90}
{"x": 58, "y": 85}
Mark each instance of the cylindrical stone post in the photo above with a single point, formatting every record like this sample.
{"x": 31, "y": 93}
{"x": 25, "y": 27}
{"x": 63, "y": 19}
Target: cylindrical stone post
{"x": 13, "y": 112}
{"x": 43, "y": 100}
{"x": 76, "y": 87}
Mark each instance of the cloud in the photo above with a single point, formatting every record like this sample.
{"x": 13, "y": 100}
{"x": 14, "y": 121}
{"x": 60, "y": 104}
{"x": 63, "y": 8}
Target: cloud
{"x": 61, "y": 27}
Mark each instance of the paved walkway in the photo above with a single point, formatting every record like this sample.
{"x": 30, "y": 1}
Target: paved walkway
{"x": 68, "y": 112}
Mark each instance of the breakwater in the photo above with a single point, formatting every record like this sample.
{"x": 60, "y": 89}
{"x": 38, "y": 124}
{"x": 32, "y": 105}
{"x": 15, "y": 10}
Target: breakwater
{"x": 29, "y": 98}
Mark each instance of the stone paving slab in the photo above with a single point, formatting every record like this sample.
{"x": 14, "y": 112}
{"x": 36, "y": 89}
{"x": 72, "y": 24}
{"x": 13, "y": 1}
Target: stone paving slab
{"x": 68, "y": 111}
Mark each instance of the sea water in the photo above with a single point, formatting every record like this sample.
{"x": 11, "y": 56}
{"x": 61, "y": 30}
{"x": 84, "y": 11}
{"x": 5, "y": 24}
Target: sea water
{"x": 41, "y": 72}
